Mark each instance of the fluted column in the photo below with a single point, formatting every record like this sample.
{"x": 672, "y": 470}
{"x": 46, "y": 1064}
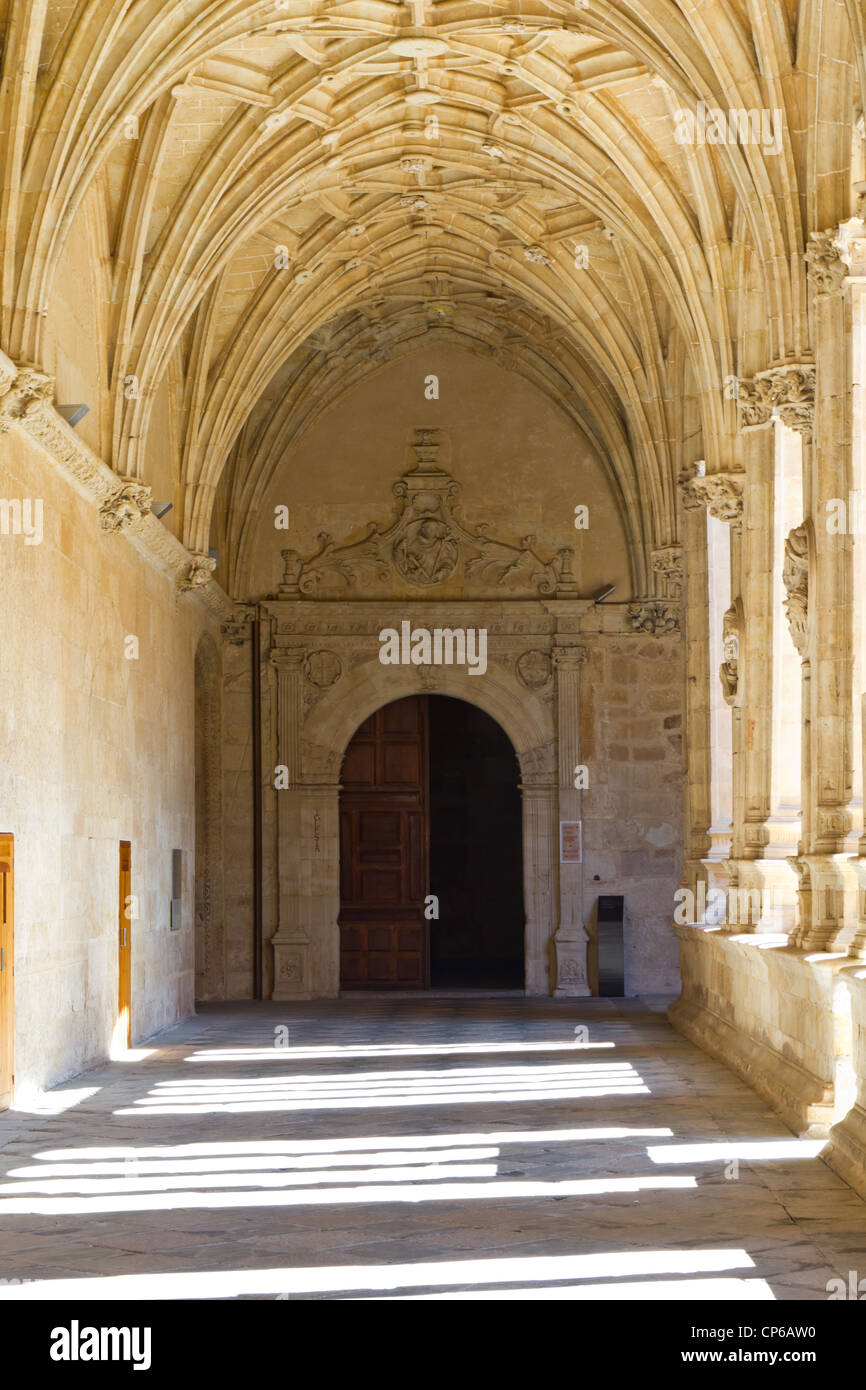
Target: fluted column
{"x": 291, "y": 942}
{"x": 571, "y": 937}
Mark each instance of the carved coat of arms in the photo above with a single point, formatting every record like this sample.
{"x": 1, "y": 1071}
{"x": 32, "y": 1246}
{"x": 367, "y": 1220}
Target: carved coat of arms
{"x": 426, "y": 544}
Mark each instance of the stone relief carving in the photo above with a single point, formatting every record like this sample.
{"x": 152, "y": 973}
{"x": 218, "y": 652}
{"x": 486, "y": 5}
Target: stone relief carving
{"x": 533, "y": 669}
{"x": 538, "y": 764}
{"x": 826, "y": 268}
{"x": 128, "y": 505}
{"x": 322, "y": 668}
{"x": 795, "y": 577}
{"x": 720, "y": 493}
{"x": 730, "y": 668}
{"x": 320, "y": 763}
{"x": 668, "y": 562}
{"x": 424, "y": 546}
{"x": 788, "y": 391}
{"x": 652, "y": 616}
{"x": 197, "y": 573}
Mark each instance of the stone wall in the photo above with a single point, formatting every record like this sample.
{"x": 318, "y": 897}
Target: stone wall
{"x": 631, "y": 732}
{"x": 778, "y": 1018}
{"x": 97, "y": 748}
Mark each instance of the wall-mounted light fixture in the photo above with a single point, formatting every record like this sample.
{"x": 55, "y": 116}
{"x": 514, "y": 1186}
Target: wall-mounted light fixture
{"x": 73, "y": 413}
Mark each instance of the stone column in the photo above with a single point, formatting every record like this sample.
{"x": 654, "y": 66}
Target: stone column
{"x": 817, "y": 403}
{"x": 571, "y": 937}
{"x": 698, "y": 773}
{"x": 852, "y": 242}
{"x": 721, "y": 494}
{"x": 540, "y": 866}
{"x": 764, "y": 881}
{"x": 291, "y": 943}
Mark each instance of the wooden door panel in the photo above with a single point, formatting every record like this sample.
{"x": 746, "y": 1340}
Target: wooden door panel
{"x": 7, "y": 968}
{"x": 383, "y": 851}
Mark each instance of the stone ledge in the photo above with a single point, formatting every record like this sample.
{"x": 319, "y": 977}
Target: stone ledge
{"x": 804, "y": 1101}
{"x": 846, "y": 1152}
{"x": 775, "y": 1025}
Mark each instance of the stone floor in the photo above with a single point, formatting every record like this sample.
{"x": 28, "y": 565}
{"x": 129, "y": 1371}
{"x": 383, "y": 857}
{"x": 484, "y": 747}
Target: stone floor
{"x": 438, "y": 1147}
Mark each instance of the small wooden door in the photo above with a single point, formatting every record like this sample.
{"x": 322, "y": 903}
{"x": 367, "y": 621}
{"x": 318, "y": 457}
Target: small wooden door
{"x": 384, "y": 850}
{"x": 7, "y": 965}
{"x": 124, "y": 945}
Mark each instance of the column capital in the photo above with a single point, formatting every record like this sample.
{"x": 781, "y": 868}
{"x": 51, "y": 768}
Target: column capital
{"x": 569, "y": 657}
{"x": 287, "y": 659}
{"x": 721, "y": 493}
{"x": 785, "y": 392}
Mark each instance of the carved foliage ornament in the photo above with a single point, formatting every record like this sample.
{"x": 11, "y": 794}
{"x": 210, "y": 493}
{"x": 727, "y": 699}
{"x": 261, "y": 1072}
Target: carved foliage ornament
{"x": 668, "y": 562}
{"x": 653, "y": 616}
{"x": 127, "y": 506}
{"x": 787, "y": 392}
{"x": 197, "y": 573}
{"x": 826, "y": 268}
{"x": 721, "y": 493}
{"x": 426, "y": 545}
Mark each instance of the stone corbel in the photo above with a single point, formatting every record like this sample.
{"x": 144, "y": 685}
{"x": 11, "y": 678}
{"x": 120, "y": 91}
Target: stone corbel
{"x": 826, "y": 268}
{"x": 126, "y": 507}
{"x": 720, "y": 493}
{"x": 653, "y": 616}
{"x": 786, "y": 393}
{"x": 197, "y": 573}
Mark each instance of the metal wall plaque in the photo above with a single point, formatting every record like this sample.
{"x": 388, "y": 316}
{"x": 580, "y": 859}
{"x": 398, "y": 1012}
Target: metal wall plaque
{"x": 570, "y": 842}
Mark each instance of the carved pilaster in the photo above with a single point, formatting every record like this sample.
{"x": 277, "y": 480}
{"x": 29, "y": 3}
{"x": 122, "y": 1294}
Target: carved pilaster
{"x": 571, "y": 937}
{"x": 567, "y": 661}
{"x": 290, "y": 709}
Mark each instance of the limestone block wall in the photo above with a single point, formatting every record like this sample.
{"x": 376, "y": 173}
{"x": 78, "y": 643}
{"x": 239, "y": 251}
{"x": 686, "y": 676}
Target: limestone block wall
{"x": 847, "y": 1149}
{"x": 631, "y": 732}
{"x": 773, "y": 1015}
{"x": 97, "y": 747}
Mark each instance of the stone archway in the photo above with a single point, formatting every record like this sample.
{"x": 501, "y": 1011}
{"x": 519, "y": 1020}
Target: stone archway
{"x": 306, "y": 943}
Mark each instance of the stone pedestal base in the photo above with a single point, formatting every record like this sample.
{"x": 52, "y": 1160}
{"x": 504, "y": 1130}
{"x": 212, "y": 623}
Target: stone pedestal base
{"x": 291, "y": 967}
{"x": 571, "y": 980}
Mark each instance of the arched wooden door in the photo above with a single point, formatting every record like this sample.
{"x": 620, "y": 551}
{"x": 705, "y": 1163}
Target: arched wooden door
{"x": 384, "y": 809}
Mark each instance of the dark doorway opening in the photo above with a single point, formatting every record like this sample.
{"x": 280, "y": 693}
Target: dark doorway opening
{"x": 476, "y": 850}
{"x": 430, "y": 805}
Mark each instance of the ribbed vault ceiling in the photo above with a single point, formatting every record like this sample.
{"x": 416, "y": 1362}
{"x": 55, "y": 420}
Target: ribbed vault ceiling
{"x": 298, "y": 192}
